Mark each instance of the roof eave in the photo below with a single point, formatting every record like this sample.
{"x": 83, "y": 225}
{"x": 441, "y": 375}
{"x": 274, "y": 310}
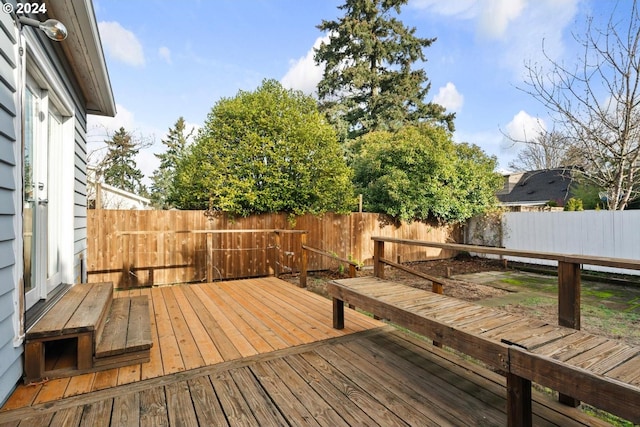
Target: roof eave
{"x": 83, "y": 49}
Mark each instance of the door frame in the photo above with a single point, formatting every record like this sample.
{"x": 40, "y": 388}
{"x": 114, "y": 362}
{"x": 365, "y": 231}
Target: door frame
{"x": 42, "y": 79}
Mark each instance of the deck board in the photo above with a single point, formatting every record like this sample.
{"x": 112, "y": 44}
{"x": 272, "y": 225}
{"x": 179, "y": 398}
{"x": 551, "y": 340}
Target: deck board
{"x": 308, "y": 374}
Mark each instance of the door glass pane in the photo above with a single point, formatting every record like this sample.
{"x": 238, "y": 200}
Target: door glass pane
{"x": 52, "y": 204}
{"x": 29, "y": 217}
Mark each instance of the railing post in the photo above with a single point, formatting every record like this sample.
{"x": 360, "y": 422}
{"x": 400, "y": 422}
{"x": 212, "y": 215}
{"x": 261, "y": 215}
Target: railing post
{"x": 303, "y": 261}
{"x": 569, "y": 294}
{"x": 437, "y": 288}
{"x": 378, "y": 254}
{"x": 277, "y": 260}
{"x": 124, "y": 244}
{"x": 568, "y": 306}
{"x": 209, "y": 257}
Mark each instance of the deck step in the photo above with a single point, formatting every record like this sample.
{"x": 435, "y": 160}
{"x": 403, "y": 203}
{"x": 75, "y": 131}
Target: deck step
{"x": 82, "y": 309}
{"x": 127, "y": 329}
{"x": 88, "y": 330}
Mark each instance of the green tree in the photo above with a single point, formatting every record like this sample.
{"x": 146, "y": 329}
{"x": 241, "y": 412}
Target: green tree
{"x": 587, "y": 193}
{"x": 163, "y": 177}
{"x": 368, "y": 82}
{"x": 119, "y": 168}
{"x": 419, "y": 173}
{"x": 270, "y": 150}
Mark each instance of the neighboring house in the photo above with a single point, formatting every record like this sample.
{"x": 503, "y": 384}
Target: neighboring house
{"x": 534, "y": 190}
{"x": 105, "y": 196}
{"x": 47, "y": 88}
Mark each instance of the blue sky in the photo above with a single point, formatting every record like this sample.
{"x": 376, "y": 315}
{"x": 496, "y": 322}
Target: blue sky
{"x": 168, "y": 59}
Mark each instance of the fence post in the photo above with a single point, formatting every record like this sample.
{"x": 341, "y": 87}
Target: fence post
{"x": 378, "y": 254}
{"x": 568, "y": 306}
{"x": 303, "y": 261}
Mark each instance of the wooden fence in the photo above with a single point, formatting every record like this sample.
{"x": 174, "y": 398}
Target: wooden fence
{"x": 145, "y": 248}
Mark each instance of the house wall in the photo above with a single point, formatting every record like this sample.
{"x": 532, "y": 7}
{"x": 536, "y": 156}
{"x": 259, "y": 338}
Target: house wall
{"x": 49, "y": 56}
{"x": 10, "y": 355}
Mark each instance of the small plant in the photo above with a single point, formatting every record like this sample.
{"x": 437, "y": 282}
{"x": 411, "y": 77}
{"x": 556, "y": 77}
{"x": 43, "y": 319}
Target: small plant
{"x": 574, "y": 204}
{"x": 359, "y": 264}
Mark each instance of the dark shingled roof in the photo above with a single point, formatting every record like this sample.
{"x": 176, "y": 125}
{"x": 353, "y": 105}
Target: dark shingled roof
{"x": 540, "y": 186}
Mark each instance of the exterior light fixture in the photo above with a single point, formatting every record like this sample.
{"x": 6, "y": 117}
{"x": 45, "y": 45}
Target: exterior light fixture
{"x": 53, "y": 28}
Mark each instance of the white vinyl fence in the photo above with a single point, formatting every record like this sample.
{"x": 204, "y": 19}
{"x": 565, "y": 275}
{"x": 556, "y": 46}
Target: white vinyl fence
{"x": 613, "y": 234}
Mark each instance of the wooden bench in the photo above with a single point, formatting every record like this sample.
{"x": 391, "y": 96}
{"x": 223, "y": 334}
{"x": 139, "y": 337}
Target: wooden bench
{"x": 88, "y": 330}
{"x": 602, "y": 372}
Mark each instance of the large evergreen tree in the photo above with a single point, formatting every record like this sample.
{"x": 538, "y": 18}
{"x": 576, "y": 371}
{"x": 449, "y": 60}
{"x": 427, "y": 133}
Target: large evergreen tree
{"x": 163, "y": 177}
{"x": 265, "y": 151}
{"x": 368, "y": 81}
{"x": 119, "y": 168}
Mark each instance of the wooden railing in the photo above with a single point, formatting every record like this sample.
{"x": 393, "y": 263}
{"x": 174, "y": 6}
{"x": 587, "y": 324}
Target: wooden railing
{"x": 167, "y": 252}
{"x": 353, "y": 266}
{"x": 568, "y": 269}
{"x": 569, "y": 287}
{"x": 155, "y": 257}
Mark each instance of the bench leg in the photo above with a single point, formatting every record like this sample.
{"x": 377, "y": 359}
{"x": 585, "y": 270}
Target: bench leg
{"x": 338, "y": 313}
{"x": 518, "y": 401}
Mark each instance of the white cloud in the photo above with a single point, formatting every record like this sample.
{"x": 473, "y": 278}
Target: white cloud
{"x": 121, "y": 44}
{"x": 124, "y": 118}
{"x": 459, "y": 8}
{"x": 165, "y": 54}
{"x": 516, "y": 28}
{"x": 449, "y": 97}
{"x": 523, "y": 127}
{"x": 303, "y": 73}
{"x": 496, "y": 15}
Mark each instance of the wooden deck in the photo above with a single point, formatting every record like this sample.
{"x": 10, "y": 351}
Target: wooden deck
{"x": 263, "y": 352}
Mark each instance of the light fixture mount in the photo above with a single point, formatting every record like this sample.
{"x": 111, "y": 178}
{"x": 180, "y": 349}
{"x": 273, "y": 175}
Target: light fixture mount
{"x": 53, "y": 28}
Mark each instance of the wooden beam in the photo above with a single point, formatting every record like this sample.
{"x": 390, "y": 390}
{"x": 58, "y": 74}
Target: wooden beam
{"x": 304, "y": 261}
{"x": 338, "y": 313}
{"x": 568, "y": 308}
{"x": 598, "y": 390}
{"x": 519, "y": 412}
{"x": 437, "y": 282}
{"x": 493, "y": 353}
{"x": 632, "y": 264}
{"x": 569, "y": 294}
{"x": 378, "y": 254}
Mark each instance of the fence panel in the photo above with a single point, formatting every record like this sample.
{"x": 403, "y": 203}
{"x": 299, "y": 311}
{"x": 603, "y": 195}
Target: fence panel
{"x": 142, "y": 248}
{"x": 614, "y": 234}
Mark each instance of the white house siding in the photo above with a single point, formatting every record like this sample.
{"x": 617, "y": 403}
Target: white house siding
{"x": 10, "y": 356}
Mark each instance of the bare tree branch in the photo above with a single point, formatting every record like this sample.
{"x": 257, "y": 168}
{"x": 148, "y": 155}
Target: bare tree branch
{"x": 596, "y": 105}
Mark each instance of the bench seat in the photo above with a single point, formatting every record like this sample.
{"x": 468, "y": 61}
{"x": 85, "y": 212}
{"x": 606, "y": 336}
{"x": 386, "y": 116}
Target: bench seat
{"x": 602, "y": 372}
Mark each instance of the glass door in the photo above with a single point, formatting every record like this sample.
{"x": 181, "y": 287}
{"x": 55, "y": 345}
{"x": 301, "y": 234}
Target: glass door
{"x": 29, "y": 195}
{"x": 51, "y": 201}
{"x": 41, "y": 195}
